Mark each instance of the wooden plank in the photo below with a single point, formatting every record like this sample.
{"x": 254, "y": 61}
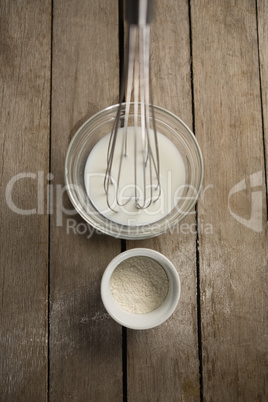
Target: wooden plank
{"x": 85, "y": 344}
{"x": 233, "y": 262}
{"x": 263, "y": 54}
{"x": 162, "y": 363}
{"x": 25, "y": 83}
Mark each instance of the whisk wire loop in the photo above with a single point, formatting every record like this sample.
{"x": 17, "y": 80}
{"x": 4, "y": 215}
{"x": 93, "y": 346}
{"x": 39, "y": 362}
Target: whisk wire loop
{"x": 146, "y": 170}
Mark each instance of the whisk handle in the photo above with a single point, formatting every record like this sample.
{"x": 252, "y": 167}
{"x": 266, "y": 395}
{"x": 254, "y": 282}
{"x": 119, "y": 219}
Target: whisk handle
{"x": 139, "y": 12}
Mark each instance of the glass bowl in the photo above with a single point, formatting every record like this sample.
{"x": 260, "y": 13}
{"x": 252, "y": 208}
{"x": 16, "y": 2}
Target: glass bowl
{"x": 98, "y": 126}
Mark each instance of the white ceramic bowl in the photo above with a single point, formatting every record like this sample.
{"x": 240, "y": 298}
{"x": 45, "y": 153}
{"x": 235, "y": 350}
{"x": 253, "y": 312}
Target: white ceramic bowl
{"x": 145, "y": 320}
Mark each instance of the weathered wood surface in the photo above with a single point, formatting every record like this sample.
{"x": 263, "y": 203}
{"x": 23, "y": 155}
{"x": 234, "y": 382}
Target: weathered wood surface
{"x": 262, "y": 14}
{"x": 233, "y": 262}
{"x": 57, "y": 341}
{"x": 154, "y": 354}
{"x": 85, "y": 344}
{"x": 25, "y": 89}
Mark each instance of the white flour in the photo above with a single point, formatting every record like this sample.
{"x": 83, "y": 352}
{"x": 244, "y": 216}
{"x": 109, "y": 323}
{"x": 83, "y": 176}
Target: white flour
{"x": 139, "y": 284}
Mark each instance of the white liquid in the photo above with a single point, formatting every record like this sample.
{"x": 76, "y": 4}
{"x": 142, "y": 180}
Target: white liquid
{"x": 172, "y": 180}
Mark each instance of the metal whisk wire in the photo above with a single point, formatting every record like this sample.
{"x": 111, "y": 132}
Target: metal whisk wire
{"x": 137, "y": 88}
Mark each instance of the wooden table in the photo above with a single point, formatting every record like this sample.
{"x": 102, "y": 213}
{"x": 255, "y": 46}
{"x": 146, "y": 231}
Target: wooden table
{"x": 59, "y": 65}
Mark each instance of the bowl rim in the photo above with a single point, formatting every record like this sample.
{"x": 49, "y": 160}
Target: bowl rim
{"x": 147, "y": 320}
{"x": 107, "y": 229}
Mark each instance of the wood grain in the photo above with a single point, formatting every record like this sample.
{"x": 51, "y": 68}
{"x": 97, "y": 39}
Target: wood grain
{"x": 24, "y": 105}
{"x": 163, "y": 362}
{"x": 233, "y": 262}
{"x": 85, "y": 344}
{"x": 69, "y": 348}
{"x": 262, "y": 13}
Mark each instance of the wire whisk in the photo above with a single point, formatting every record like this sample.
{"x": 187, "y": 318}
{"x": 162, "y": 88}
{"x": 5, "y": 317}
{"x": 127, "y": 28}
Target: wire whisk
{"x": 133, "y": 145}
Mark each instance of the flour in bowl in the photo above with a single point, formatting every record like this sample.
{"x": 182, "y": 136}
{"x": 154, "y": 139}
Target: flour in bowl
{"x": 139, "y": 284}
